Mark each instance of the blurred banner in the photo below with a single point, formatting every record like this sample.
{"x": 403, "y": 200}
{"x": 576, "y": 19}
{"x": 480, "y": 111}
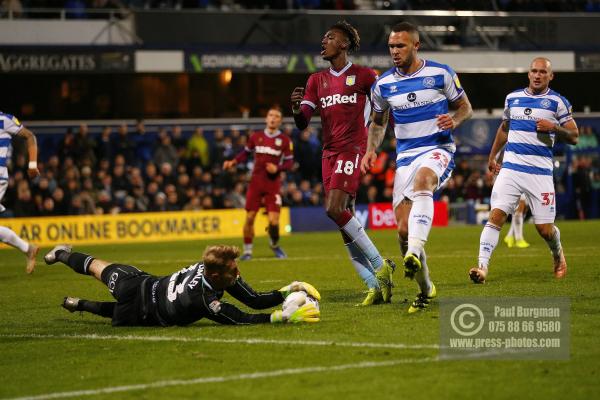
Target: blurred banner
{"x": 381, "y": 215}
{"x": 312, "y": 219}
{"x": 61, "y": 60}
{"x": 143, "y": 227}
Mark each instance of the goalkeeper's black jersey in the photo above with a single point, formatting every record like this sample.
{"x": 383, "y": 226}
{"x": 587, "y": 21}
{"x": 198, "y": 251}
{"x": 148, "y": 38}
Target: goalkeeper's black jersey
{"x": 186, "y": 296}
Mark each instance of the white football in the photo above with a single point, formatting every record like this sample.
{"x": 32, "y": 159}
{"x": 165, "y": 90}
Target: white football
{"x": 296, "y": 300}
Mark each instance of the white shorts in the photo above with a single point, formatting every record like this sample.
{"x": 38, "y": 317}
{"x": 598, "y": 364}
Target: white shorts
{"x": 538, "y": 191}
{"x": 3, "y": 186}
{"x": 438, "y": 160}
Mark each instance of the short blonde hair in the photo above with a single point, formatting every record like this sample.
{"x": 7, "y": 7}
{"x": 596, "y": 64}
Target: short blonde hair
{"x": 217, "y": 257}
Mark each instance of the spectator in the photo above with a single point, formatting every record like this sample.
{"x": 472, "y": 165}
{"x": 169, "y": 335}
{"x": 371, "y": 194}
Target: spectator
{"x": 123, "y": 144}
{"x": 25, "y": 205}
{"x": 104, "y": 147}
{"x": 587, "y": 138}
{"x": 198, "y": 145}
{"x": 144, "y": 144}
{"x": 165, "y": 152}
{"x": 85, "y": 147}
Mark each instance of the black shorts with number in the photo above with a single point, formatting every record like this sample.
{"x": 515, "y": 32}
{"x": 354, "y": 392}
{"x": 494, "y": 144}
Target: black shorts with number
{"x": 131, "y": 287}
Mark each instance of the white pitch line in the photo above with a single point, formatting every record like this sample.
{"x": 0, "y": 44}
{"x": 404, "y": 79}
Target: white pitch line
{"x": 236, "y": 340}
{"x": 226, "y": 378}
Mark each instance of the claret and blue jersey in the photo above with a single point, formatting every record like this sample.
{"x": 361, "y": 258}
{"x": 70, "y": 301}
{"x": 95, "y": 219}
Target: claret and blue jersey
{"x": 527, "y": 150}
{"x": 415, "y": 101}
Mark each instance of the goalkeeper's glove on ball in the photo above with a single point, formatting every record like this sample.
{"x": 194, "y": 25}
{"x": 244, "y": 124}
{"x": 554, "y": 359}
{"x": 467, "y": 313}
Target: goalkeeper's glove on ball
{"x": 307, "y": 313}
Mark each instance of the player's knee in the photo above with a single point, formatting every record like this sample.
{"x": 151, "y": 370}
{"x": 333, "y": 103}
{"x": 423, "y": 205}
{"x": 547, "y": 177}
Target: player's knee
{"x": 497, "y": 217}
{"x": 334, "y": 211}
{"x": 425, "y": 179}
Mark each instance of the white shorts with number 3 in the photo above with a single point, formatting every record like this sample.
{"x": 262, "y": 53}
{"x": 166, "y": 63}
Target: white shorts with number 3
{"x": 439, "y": 161}
{"x": 538, "y": 191}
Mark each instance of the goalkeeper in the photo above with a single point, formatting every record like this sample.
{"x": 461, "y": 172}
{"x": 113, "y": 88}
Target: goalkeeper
{"x": 182, "y": 298}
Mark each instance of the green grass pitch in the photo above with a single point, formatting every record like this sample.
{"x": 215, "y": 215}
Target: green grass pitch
{"x": 353, "y": 353}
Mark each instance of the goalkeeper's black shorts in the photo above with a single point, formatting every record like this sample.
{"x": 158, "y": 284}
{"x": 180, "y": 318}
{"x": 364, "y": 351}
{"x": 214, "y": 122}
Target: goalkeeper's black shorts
{"x": 131, "y": 288}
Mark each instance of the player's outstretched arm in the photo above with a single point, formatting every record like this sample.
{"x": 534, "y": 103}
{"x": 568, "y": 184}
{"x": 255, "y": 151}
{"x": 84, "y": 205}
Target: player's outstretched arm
{"x": 376, "y": 134}
{"x": 32, "y": 151}
{"x": 228, "y": 314}
{"x": 243, "y": 292}
{"x": 499, "y": 142}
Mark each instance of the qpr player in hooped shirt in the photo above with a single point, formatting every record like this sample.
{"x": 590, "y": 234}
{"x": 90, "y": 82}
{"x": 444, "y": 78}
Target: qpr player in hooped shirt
{"x": 417, "y": 94}
{"x": 534, "y": 118}
{"x": 341, "y": 93}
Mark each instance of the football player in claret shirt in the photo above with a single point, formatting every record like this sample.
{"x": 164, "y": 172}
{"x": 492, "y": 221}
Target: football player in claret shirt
{"x": 273, "y": 153}
{"x": 183, "y": 297}
{"x": 341, "y": 93}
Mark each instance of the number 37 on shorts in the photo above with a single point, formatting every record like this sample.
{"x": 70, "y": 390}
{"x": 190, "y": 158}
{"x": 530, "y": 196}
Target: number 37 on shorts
{"x": 548, "y": 199}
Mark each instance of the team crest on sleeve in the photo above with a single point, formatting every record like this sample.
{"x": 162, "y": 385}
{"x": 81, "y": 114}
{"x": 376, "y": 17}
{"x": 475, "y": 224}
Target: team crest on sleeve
{"x": 350, "y": 80}
{"x": 215, "y": 306}
{"x": 429, "y": 82}
{"x": 545, "y": 103}
{"x": 278, "y": 142}
{"x": 16, "y": 121}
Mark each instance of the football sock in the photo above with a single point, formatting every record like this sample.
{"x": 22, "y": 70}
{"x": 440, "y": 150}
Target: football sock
{"x": 419, "y": 221}
{"x": 9, "y": 237}
{"x": 517, "y": 225}
{"x": 102, "y": 308}
{"x": 422, "y": 275}
{"x": 247, "y": 245}
{"x": 511, "y": 230}
{"x": 357, "y": 233}
{"x": 79, "y": 262}
{"x": 362, "y": 266}
{"x": 487, "y": 243}
{"x": 273, "y": 234}
{"x": 554, "y": 243}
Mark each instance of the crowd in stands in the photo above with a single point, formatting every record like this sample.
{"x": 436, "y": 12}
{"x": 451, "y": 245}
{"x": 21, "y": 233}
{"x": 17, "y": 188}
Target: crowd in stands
{"x": 76, "y": 8}
{"x": 137, "y": 171}
{"x": 125, "y": 170}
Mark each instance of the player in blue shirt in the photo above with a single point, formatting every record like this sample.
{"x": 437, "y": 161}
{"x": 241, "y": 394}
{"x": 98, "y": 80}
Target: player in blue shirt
{"x": 9, "y": 127}
{"x": 534, "y": 118}
{"x": 417, "y": 93}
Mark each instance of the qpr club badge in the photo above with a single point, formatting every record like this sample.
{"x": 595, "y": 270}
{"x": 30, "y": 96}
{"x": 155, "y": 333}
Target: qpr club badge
{"x": 545, "y": 103}
{"x": 429, "y": 82}
{"x": 350, "y": 80}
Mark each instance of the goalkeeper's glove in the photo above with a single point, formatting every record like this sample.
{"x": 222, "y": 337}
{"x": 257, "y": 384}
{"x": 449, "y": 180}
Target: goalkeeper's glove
{"x": 307, "y": 313}
{"x": 300, "y": 286}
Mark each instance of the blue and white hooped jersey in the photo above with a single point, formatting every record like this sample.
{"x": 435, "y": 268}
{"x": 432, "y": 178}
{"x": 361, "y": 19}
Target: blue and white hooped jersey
{"x": 527, "y": 150}
{"x": 9, "y": 126}
{"x": 415, "y": 101}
